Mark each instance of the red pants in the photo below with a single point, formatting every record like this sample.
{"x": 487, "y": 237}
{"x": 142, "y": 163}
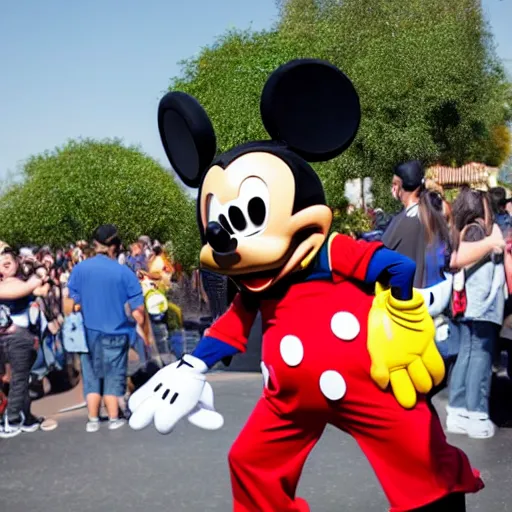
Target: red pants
{"x": 407, "y": 449}
{"x": 317, "y": 372}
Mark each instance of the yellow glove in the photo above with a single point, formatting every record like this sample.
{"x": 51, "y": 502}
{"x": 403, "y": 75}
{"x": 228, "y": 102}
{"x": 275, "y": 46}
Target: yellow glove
{"x": 402, "y": 347}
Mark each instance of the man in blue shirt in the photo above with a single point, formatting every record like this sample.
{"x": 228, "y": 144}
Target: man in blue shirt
{"x": 104, "y": 290}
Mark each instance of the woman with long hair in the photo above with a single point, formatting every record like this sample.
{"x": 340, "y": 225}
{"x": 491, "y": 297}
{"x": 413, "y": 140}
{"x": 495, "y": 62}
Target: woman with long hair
{"x": 18, "y": 343}
{"x": 478, "y": 315}
{"x": 420, "y": 232}
{"x": 437, "y": 236}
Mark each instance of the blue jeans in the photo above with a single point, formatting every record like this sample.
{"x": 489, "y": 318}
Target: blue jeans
{"x": 161, "y": 336}
{"x": 470, "y": 381}
{"x": 105, "y": 367}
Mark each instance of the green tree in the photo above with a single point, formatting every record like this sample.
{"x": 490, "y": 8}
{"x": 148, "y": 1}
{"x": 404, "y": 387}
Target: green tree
{"x": 65, "y": 194}
{"x": 430, "y": 84}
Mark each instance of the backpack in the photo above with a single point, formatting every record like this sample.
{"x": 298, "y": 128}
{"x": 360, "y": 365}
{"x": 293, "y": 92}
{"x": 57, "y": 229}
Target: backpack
{"x": 155, "y": 300}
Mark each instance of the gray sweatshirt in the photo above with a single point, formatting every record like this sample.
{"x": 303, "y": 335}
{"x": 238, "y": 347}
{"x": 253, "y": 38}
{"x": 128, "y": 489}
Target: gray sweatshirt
{"x": 485, "y": 291}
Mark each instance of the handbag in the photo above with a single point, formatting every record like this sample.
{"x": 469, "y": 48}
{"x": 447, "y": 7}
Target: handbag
{"x": 73, "y": 334}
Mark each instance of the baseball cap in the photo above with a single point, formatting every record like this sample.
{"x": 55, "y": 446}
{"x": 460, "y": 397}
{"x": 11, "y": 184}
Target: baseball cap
{"x": 144, "y": 239}
{"x": 107, "y": 235}
{"x": 412, "y": 174}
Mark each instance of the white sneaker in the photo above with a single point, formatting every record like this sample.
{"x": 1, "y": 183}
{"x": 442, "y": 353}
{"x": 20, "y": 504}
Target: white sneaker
{"x": 457, "y": 420}
{"x": 480, "y": 426}
{"x": 115, "y": 424}
{"x": 92, "y": 426}
{"x": 7, "y": 431}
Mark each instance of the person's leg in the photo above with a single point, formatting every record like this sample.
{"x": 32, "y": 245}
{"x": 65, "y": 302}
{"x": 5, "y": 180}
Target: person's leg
{"x": 478, "y": 379}
{"x": 457, "y": 418}
{"x": 92, "y": 392}
{"x": 160, "y": 334}
{"x": 266, "y": 460}
{"x": 139, "y": 347}
{"x": 115, "y": 364}
{"x": 30, "y": 422}
{"x": 408, "y": 451}
{"x": 21, "y": 355}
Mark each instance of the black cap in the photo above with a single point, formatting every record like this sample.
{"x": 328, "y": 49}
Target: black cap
{"x": 412, "y": 175}
{"x": 107, "y": 235}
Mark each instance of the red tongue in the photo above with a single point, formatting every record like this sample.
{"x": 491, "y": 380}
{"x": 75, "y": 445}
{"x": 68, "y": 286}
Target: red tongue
{"x": 256, "y": 282}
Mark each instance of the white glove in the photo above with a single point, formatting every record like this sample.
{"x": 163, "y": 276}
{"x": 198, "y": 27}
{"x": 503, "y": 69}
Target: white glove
{"x": 438, "y": 297}
{"x": 176, "y": 391}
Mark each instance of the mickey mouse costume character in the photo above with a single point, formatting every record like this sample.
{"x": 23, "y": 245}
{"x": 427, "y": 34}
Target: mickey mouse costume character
{"x": 333, "y": 352}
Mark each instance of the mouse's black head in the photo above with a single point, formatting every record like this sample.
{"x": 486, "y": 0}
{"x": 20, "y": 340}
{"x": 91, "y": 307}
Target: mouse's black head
{"x": 261, "y": 207}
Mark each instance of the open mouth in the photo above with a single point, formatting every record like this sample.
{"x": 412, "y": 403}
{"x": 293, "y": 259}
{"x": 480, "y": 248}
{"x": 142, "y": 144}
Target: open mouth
{"x": 258, "y": 281}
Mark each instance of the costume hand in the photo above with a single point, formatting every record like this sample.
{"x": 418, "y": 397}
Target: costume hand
{"x": 176, "y": 391}
{"x": 402, "y": 347}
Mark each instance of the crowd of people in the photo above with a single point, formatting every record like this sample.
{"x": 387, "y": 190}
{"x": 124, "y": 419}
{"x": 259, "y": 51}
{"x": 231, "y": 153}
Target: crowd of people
{"x": 462, "y": 251}
{"x": 463, "y": 255}
{"x": 122, "y": 298}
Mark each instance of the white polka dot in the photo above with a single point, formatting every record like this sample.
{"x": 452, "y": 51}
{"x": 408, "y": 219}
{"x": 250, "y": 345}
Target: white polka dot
{"x": 292, "y": 350}
{"x": 332, "y": 385}
{"x": 265, "y": 373}
{"x": 345, "y": 326}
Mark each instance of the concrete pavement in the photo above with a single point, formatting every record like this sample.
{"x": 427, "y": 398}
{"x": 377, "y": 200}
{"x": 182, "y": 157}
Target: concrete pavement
{"x": 68, "y": 470}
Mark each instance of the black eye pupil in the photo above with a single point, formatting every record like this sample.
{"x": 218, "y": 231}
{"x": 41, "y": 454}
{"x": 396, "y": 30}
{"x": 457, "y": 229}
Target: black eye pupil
{"x": 257, "y": 211}
{"x": 237, "y": 218}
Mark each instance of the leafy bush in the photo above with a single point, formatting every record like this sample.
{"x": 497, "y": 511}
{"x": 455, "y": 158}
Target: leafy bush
{"x": 352, "y": 223}
{"x": 67, "y": 193}
{"x": 430, "y": 84}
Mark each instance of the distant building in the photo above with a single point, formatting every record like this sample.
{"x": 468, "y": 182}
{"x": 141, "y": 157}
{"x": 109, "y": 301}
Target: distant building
{"x": 473, "y": 174}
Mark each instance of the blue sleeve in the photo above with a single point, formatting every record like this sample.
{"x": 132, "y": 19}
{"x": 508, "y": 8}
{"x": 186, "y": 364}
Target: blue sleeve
{"x": 211, "y": 350}
{"x": 392, "y": 269}
{"x": 74, "y": 286}
{"x": 134, "y": 294}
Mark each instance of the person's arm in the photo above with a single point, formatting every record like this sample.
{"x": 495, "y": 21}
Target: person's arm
{"x": 390, "y": 268}
{"x": 140, "y": 317}
{"x": 508, "y": 269}
{"x": 349, "y": 258}
{"x": 14, "y": 288}
{"x": 471, "y": 252}
{"x": 72, "y": 302}
{"x": 371, "y": 262}
{"x": 135, "y": 301}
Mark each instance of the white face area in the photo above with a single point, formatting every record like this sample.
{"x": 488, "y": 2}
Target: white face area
{"x": 245, "y": 216}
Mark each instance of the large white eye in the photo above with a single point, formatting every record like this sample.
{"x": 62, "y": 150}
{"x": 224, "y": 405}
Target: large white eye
{"x": 249, "y": 213}
{"x": 213, "y": 209}
{"x": 216, "y": 212}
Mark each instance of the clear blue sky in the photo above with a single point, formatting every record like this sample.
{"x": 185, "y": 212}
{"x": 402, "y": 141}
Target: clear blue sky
{"x": 97, "y": 68}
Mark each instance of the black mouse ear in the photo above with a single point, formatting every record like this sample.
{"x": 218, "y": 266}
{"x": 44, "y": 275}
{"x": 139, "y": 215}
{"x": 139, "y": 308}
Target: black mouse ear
{"x": 313, "y": 107}
{"x": 187, "y": 136}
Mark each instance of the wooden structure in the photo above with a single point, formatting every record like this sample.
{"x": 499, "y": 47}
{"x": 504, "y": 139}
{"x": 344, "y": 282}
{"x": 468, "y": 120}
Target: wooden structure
{"x": 473, "y": 174}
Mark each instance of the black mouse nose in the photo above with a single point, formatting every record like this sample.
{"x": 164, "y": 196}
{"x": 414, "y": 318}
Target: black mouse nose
{"x": 219, "y": 239}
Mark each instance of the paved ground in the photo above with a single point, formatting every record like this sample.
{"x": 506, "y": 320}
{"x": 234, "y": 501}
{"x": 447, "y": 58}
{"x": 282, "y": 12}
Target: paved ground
{"x": 69, "y": 470}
